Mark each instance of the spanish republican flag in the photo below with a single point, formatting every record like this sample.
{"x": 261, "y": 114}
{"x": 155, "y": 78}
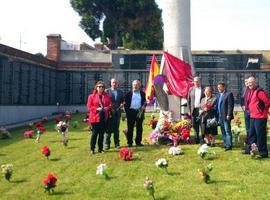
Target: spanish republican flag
{"x": 154, "y": 71}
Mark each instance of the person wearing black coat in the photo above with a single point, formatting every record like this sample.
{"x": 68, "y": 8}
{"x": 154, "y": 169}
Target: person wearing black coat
{"x": 135, "y": 104}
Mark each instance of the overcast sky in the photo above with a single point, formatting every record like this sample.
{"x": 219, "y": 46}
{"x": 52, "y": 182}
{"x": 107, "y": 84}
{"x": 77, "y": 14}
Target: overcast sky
{"x": 215, "y": 24}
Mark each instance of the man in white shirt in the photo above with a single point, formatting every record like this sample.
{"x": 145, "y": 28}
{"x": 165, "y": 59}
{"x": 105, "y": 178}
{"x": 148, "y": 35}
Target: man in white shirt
{"x": 135, "y": 103}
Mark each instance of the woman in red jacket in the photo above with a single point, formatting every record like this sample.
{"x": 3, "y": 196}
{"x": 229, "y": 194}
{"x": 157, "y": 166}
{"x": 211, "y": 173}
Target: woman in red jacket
{"x": 99, "y": 104}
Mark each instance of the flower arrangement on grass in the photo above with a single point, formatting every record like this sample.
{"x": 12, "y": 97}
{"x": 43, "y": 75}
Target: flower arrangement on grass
{"x": 204, "y": 173}
{"x": 50, "y": 183}
{"x": 175, "y": 150}
{"x": 7, "y": 171}
{"x": 163, "y": 164}
{"x": 62, "y": 127}
{"x": 126, "y": 153}
{"x": 28, "y": 134}
{"x": 205, "y": 153}
{"x": 102, "y": 171}
{"x": 40, "y": 128}
{"x": 46, "y": 151}
{"x": 149, "y": 186}
{"x": 169, "y": 131}
{"x": 236, "y": 128}
{"x": 4, "y": 133}
{"x": 254, "y": 150}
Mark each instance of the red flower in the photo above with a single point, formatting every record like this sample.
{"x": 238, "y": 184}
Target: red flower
{"x": 126, "y": 153}
{"x": 41, "y": 129}
{"x": 57, "y": 120}
{"x": 49, "y": 182}
{"x": 46, "y": 151}
{"x": 46, "y": 181}
{"x": 207, "y": 106}
{"x": 186, "y": 134}
{"x": 52, "y": 179}
{"x": 38, "y": 124}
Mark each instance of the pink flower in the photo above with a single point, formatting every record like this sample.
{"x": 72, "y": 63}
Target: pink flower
{"x": 28, "y": 133}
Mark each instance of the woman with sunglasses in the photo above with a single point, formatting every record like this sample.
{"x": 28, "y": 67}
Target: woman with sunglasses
{"x": 99, "y": 104}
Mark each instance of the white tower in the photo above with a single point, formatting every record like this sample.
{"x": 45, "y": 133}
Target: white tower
{"x": 177, "y": 39}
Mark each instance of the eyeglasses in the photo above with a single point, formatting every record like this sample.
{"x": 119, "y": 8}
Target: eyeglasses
{"x": 100, "y": 86}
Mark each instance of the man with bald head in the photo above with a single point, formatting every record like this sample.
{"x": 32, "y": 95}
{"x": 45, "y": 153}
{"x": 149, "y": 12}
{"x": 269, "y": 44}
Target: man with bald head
{"x": 135, "y": 104}
{"x": 117, "y": 98}
{"x": 258, "y": 104}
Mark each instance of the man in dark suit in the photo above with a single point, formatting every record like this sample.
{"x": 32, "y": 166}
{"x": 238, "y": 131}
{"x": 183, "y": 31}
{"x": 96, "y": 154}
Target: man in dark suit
{"x": 195, "y": 95}
{"x": 244, "y": 105}
{"x": 117, "y": 98}
{"x": 225, "y": 105}
{"x": 135, "y": 104}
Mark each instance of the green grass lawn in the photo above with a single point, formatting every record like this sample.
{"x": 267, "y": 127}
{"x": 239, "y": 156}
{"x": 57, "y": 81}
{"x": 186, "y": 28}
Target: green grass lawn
{"x": 235, "y": 176}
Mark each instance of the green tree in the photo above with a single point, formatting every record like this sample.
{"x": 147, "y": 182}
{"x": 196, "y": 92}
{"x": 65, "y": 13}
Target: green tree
{"x": 132, "y": 24}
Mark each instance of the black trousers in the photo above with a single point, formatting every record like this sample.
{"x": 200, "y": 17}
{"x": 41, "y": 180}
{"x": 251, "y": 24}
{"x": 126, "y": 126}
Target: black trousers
{"x": 132, "y": 119}
{"x": 196, "y": 125}
{"x": 98, "y": 130}
{"x": 258, "y": 135}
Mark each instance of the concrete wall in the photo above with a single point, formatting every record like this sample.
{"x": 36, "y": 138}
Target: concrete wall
{"x": 86, "y": 56}
{"x": 11, "y": 115}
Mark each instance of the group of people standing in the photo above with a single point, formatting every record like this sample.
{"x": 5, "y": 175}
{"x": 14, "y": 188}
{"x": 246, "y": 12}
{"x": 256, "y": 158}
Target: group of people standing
{"x": 105, "y": 112}
{"x": 207, "y": 111}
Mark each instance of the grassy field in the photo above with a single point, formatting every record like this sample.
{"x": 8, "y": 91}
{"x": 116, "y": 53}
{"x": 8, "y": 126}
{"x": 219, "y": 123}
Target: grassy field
{"x": 234, "y": 176}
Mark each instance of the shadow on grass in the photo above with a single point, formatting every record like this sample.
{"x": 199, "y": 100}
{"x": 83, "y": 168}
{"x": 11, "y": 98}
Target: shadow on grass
{"x": 72, "y": 147}
{"x": 59, "y": 193}
{"x": 219, "y": 181}
{"x": 2, "y": 154}
{"x": 174, "y": 173}
{"x": 55, "y": 159}
{"x": 162, "y": 198}
{"x": 19, "y": 181}
{"x": 76, "y": 139}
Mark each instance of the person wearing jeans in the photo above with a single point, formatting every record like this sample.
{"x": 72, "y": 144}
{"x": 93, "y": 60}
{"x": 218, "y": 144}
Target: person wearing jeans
{"x": 225, "y": 106}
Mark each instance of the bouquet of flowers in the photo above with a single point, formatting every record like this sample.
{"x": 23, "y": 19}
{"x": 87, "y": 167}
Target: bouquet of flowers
{"x": 50, "y": 182}
{"x": 63, "y": 128}
{"x": 4, "y": 133}
{"x": 7, "y": 171}
{"x": 40, "y": 130}
{"x": 28, "y": 133}
{"x": 126, "y": 153}
{"x": 204, "y": 173}
{"x": 46, "y": 151}
{"x": 162, "y": 163}
{"x": 102, "y": 171}
{"x": 153, "y": 122}
{"x": 175, "y": 151}
{"x": 236, "y": 128}
{"x": 205, "y": 153}
{"x": 254, "y": 150}
{"x": 149, "y": 186}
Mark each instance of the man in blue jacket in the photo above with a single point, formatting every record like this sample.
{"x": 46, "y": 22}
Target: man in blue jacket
{"x": 225, "y": 106}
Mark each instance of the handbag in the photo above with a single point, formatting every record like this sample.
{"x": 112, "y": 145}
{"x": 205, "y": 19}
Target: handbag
{"x": 211, "y": 123}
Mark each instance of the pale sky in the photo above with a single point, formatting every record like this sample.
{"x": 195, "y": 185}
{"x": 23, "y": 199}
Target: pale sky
{"x": 215, "y": 24}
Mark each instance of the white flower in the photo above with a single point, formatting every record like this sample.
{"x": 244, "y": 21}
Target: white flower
{"x": 175, "y": 151}
{"x": 162, "y": 162}
{"x": 101, "y": 168}
{"x": 203, "y": 149}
